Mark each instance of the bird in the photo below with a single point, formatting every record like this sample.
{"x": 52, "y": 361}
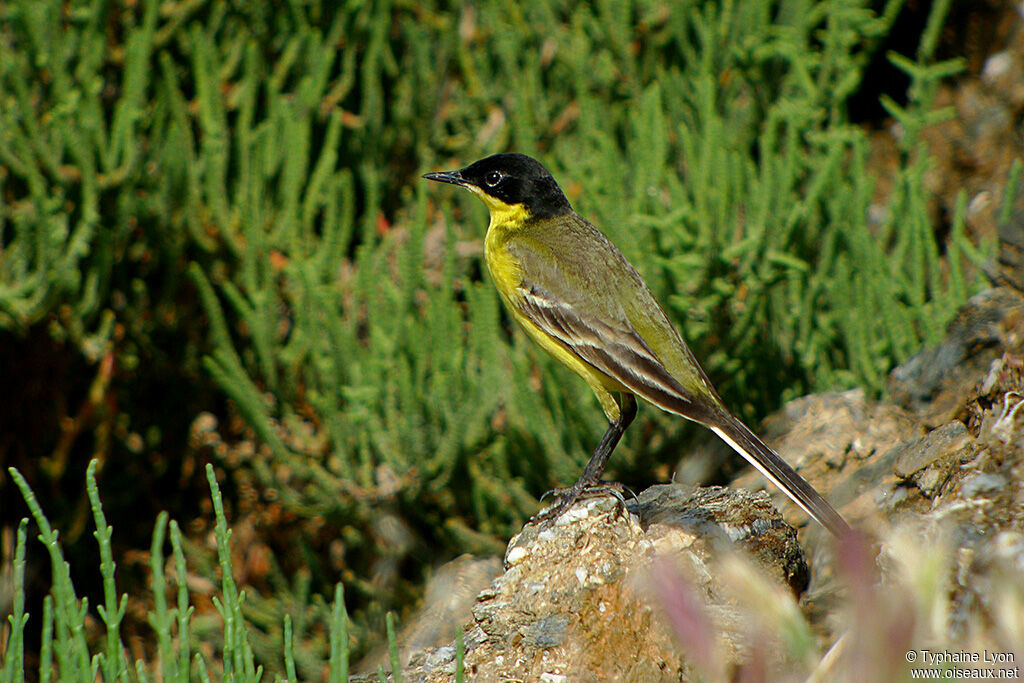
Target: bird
{"x": 578, "y": 297}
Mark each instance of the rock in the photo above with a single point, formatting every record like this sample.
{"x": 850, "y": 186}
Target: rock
{"x": 580, "y": 599}
{"x": 842, "y": 444}
{"x": 447, "y": 604}
{"x": 929, "y": 462}
{"x": 938, "y": 444}
{"x": 938, "y": 383}
{"x": 719, "y": 514}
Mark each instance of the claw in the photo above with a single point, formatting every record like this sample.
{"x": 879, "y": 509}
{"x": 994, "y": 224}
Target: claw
{"x": 570, "y": 495}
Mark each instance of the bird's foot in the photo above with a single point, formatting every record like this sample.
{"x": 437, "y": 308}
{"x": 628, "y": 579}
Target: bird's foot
{"x": 566, "y": 497}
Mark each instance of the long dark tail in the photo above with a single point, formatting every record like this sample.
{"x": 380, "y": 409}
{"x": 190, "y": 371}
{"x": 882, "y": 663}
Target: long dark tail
{"x": 778, "y": 471}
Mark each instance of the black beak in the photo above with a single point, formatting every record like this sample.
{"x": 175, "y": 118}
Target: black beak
{"x": 453, "y": 177}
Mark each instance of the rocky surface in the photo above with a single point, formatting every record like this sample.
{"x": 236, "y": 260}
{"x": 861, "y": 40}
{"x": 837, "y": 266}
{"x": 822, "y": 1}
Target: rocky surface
{"x": 447, "y": 604}
{"x": 938, "y": 383}
{"x": 585, "y": 598}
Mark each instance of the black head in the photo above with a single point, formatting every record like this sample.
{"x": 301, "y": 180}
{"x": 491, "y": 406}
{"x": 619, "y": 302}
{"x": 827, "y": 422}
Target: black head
{"x": 511, "y": 179}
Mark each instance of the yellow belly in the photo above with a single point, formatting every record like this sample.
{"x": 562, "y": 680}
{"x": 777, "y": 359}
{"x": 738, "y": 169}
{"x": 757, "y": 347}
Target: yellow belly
{"x": 507, "y": 275}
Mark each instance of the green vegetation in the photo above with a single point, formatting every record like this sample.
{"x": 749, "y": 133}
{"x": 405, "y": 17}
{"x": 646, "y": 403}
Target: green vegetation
{"x": 209, "y": 205}
{"x": 67, "y": 650}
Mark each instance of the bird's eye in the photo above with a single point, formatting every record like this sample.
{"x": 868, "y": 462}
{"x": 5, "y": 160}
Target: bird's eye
{"x": 492, "y": 178}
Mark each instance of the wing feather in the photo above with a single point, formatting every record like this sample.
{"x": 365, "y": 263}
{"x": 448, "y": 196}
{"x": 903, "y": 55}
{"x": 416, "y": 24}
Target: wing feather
{"x": 616, "y": 350}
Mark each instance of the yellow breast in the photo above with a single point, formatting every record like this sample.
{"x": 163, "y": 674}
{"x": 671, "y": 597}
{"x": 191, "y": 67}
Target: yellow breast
{"x": 506, "y": 273}
{"x": 506, "y": 220}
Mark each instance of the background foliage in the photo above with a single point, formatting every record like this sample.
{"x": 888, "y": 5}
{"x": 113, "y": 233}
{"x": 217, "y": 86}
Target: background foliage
{"x": 211, "y": 209}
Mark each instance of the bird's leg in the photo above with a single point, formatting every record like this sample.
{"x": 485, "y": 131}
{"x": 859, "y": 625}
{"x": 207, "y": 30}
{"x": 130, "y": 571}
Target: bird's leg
{"x": 592, "y": 472}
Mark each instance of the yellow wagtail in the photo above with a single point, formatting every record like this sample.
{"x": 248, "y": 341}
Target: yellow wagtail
{"x": 578, "y": 297}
